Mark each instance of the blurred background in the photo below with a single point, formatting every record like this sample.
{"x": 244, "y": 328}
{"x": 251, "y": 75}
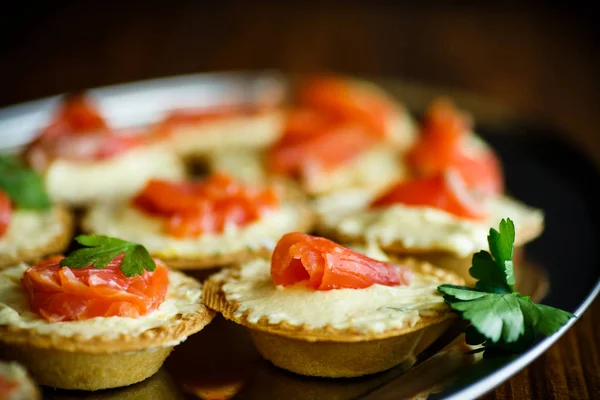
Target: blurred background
{"x": 538, "y": 58}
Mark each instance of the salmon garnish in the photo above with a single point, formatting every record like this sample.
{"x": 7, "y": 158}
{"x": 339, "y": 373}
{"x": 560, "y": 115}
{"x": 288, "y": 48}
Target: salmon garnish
{"x": 193, "y": 208}
{"x": 445, "y": 192}
{"x": 5, "y": 212}
{"x": 348, "y": 100}
{"x": 317, "y": 152}
{"x": 325, "y": 265}
{"x": 68, "y": 294}
{"x": 79, "y": 132}
{"x": 444, "y": 133}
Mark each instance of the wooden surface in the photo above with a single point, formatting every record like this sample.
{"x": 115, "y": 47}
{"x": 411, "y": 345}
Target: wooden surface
{"x": 542, "y": 62}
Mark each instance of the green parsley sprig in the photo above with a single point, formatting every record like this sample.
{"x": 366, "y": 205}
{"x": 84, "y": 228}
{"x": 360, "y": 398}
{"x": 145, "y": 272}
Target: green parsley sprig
{"x": 23, "y": 186}
{"x": 501, "y": 320}
{"x": 99, "y": 251}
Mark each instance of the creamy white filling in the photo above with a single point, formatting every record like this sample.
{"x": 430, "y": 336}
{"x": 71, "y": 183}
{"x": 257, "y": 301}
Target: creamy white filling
{"x": 128, "y": 223}
{"x": 375, "y": 309}
{"x": 119, "y": 177}
{"x": 30, "y": 230}
{"x": 183, "y": 297}
{"x": 253, "y": 131}
{"x": 422, "y": 228}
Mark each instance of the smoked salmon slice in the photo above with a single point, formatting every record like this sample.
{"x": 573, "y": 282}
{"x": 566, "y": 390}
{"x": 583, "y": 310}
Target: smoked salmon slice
{"x": 443, "y": 144}
{"x": 348, "y": 100}
{"x": 193, "y": 208}
{"x": 321, "y": 151}
{"x": 79, "y": 132}
{"x": 325, "y": 265}
{"x": 68, "y": 294}
{"x": 443, "y": 191}
{"x": 5, "y": 212}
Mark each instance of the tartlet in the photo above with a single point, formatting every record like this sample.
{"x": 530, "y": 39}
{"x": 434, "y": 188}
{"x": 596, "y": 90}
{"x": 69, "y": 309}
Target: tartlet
{"x": 426, "y": 233}
{"x": 97, "y": 353}
{"x": 16, "y": 384}
{"x": 207, "y": 250}
{"x": 33, "y": 234}
{"x": 335, "y": 333}
{"x": 84, "y": 160}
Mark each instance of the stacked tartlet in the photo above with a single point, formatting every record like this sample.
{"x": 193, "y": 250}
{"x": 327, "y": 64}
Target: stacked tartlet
{"x": 343, "y": 159}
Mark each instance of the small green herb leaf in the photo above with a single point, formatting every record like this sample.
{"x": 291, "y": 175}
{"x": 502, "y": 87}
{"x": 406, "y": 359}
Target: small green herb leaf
{"x": 501, "y": 319}
{"x": 22, "y": 185}
{"x": 101, "y": 250}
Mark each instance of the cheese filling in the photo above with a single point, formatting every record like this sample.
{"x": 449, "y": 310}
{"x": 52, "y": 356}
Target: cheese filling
{"x": 119, "y": 177}
{"x": 183, "y": 297}
{"x": 420, "y": 228}
{"x": 30, "y": 230}
{"x": 372, "y": 310}
{"x": 128, "y": 223}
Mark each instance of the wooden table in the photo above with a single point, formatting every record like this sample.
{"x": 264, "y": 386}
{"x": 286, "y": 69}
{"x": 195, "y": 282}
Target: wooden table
{"x": 540, "y": 62}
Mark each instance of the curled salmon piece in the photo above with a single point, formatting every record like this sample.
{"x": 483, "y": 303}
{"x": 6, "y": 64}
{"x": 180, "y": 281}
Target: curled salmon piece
{"x": 79, "y": 132}
{"x": 68, "y": 294}
{"x": 444, "y": 135}
{"x": 445, "y": 191}
{"x": 325, "y": 265}
{"x": 348, "y": 100}
{"x": 193, "y": 208}
{"x": 5, "y": 212}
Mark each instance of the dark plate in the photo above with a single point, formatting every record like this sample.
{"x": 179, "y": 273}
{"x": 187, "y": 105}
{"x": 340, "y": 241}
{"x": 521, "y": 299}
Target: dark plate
{"x": 540, "y": 169}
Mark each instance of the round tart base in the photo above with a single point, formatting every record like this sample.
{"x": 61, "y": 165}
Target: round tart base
{"x": 342, "y": 359}
{"x": 87, "y": 371}
{"x": 331, "y": 352}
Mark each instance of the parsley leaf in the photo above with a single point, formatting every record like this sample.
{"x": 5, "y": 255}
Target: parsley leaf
{"x": 23, "y": 186}
{"x": 100, "y": 250}
{"x": 502, "y": 320}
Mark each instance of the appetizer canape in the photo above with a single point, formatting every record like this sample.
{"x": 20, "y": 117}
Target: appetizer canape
{"x": 342, "y": 133}
{"x": 202, "y": 224}
{"x": 443, "y": 212}
{"x": 105, "y": 316}
{"x": 320, "y": 309}
{"x": 83, "y": 160}
{"x": 201, "y": 132}
{"x": 16, "y": 384}
{"x": 30, "y": 225}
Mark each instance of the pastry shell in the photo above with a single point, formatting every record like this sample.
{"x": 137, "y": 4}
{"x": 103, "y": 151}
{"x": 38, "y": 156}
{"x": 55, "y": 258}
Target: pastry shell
{"x": 53, "y": 245}
{"x": 99, "y": 362}
{"x": 332, "y": 352}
